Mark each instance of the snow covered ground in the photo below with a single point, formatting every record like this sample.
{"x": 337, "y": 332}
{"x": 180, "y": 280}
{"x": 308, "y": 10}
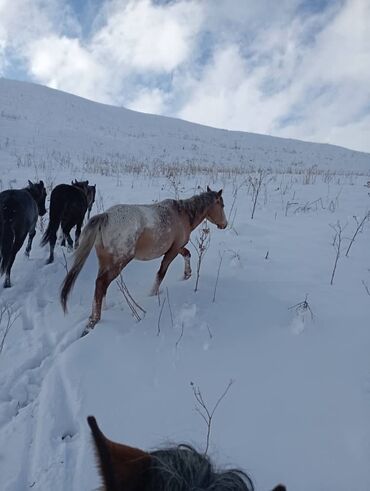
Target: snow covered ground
{"x": 298, "y": 409}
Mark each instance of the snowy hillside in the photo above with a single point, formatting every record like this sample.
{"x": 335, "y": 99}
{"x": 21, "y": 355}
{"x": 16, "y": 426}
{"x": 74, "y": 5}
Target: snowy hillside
{"x": 39, "y": 121}
{"x": 265, "y": 315}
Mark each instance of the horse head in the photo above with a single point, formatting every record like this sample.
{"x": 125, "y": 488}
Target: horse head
{"x": 38, "y": 192}
{"x": 91, "y": 193}
{"x": 216, "y": 213}
{"x": 121, "y": 467}
{"x": 83, "y": 185}
{"x": 124, "y": 468}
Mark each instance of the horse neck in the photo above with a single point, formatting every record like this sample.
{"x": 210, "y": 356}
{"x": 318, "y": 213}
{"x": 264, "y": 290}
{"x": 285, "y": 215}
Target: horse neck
{"x": 83, "y": 191}
{"x": 196, "y": 209}
{"x": 30, "y": 192}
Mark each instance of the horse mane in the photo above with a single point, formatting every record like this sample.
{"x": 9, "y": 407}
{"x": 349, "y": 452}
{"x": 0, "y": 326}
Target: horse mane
{"x": 196, "y": 205}
{"x": 183, "y": 468}
{"x": 176, "y": 468}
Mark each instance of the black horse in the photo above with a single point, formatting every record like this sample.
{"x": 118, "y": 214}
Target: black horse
{"x": 91, "y": 193}
{"x": 19, "y": 209}
{"x": 68, "y": 206}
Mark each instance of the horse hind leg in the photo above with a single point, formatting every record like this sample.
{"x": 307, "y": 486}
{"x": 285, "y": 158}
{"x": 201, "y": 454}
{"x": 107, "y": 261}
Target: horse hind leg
{"x": 16, "y": 246}
{"x": 186, "y": 255}
{"x": 66, "y": 229}
{"x": 29, "y": 243}
{"x": 78, "y": 233}
{"x": 109, "y": 269}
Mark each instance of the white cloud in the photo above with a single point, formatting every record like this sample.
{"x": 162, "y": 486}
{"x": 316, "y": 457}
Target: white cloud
{"x": 292, "y": 72}
{"x": 150, "y": 101}
{"x": 144, "y": 36}
{"x": 321, "y": 85}
{"x": 62, "y": 63}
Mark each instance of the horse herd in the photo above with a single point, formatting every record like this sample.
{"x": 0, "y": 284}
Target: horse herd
{"x": 120, "y": 234}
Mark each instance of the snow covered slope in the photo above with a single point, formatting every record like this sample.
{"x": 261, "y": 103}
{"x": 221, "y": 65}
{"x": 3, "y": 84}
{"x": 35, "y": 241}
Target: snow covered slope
{"x": 298, "y": 409}
{"x": 37, "y": 120}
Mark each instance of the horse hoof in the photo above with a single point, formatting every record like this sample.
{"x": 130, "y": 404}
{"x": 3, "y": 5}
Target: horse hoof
{"x": 84, "y": 332}
{"x": 7, "y": 284}
{"x": 186, "y": 276}
{"x": 50, "y": 260}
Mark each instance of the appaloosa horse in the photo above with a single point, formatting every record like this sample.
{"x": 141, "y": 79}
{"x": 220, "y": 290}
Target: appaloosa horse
{"x": 144, "y": 232}
{"x": 178, "y": 468}
{"x": 19, "y": 209}
{"x": 68, "y": 206}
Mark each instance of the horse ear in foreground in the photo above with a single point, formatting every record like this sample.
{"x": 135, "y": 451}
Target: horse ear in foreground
{"x": 143, "y": 232}
{"x": 178, "y": 468}
{"x": 19, "y": 210}
{"x": 68, "y": 206}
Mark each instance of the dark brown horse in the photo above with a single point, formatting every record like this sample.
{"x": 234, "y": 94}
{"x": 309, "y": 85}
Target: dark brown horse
{"x": 68, "y": 206}
{"x": 144, "y": 232}
{"x": 179, "y": 468}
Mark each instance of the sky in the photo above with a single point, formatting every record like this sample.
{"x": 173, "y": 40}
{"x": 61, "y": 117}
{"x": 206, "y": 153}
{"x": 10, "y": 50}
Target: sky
{"x": 291, "y": 68}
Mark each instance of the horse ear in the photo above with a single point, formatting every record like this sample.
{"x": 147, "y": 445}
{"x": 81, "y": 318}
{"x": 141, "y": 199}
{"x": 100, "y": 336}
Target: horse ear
{"x": 120, "y": 466}
{"x": 219, "y": 193}
{"x": 30, "y": 183}
{"x": 279, "y": 487}
{"x": 208, "y": 189}
{"x": 42, "y": 183}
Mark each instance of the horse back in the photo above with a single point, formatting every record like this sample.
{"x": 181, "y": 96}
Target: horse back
{"x": 66, "y": 193}
{"x": 68, "y": 199}
{"x": 18, "y": 206}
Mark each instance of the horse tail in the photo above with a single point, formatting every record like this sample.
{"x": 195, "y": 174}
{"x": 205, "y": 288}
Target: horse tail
{"x": 7, "y": 235}
{"x": 55, "y": 217}
{"x": 87, "y": 241}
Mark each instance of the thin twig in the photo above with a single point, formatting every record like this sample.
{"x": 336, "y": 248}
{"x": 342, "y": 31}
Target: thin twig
{"x": 134, "y": 306}
{"x": 302, "y": 307}
{"x": 366, "y": 217}
{"x": 366, "y": 287}
{"x": 159, "y": 318}
{"x": 169, "y": 306}
{"x": 337, "y": 244}
{"x": 7, "y": 317}
{"x": 206, "y": 413}
{"x": 218, "y": 274}
{"x": 180, "y": 337}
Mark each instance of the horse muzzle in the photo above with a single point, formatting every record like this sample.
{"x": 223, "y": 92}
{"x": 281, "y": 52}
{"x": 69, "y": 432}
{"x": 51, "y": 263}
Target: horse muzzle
{"x": 223, "y": 226}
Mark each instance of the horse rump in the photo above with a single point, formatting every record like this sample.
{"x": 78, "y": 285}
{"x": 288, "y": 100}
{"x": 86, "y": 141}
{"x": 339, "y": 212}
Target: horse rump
{"x": 89, "y": 234}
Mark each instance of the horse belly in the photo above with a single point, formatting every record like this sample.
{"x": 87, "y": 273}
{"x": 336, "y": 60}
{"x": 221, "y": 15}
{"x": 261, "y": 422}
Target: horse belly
{"x": 151, "y": 245}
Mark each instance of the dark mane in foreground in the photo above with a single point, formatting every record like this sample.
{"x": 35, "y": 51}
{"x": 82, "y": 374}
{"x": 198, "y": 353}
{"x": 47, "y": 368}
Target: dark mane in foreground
{"x": 178, "y": 468}
{"x": 182, "y": 468}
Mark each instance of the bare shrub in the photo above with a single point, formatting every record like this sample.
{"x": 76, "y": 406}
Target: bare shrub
{"x": 205, "y": 412}
{"x": 256, "y": 183}
{"x": 337, "y": 244}
{"x": 137, "y": 312}
{"x": 8, "y": 315}
{"x": 358, "y": 229}
{"x": 201, "y": 246}
{"x": 301, "y": 308}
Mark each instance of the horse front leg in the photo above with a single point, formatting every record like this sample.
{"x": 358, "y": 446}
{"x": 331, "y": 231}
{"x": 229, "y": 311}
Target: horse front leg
{"x": 166, "y": 261}
{"x": 29, "y": 243}
{"x": 186, "y": 255}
